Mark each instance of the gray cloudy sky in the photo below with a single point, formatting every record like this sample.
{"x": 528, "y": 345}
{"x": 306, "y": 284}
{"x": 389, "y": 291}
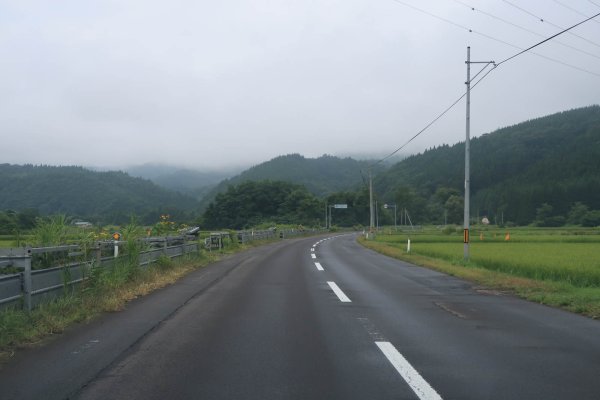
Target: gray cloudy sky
{"x": 216, "y": 83}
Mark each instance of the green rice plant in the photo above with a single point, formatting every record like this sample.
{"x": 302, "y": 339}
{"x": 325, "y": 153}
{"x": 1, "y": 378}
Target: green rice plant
{"x": 574, "y": 263}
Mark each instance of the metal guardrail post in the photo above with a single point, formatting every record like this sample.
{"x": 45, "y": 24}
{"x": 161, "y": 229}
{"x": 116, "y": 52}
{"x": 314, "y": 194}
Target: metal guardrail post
{"x": 98, "y": 254}
{"x": 25, "y": 262}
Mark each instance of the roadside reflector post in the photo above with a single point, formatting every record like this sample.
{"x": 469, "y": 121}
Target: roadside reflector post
{"x": 116, "y": 236}
{"x": 408, "y": 246}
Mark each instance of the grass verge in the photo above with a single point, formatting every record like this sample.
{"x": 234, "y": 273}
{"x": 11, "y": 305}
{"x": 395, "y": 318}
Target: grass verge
{"x": 581, "y": 300}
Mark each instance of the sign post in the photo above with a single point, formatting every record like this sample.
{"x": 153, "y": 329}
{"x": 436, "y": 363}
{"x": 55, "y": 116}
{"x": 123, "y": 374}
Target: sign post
{"x": 343, "y": 206}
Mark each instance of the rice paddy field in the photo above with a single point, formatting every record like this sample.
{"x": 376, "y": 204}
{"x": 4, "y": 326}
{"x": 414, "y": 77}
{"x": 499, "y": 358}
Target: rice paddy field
{"x": 11, "y": 241}
{"x": 554, "y": 266}
{"x": 565, "y": 255}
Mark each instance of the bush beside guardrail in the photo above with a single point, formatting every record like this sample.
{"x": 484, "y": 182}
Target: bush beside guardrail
{"x": 29, "y": 285}
{"x": 36, "y": 275}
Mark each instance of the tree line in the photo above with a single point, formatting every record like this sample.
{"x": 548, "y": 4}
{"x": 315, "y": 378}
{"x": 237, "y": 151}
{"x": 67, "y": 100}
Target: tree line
{"x": 542, "y": 171}
{"x": 100, "y": 197}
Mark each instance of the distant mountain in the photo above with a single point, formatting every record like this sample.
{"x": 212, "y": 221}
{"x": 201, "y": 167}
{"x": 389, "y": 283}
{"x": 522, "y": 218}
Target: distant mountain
{"x": 100, "y": 196}
{"x": 321, "y": 176}
{"x": 514, "y": 171}
{"x": 189, "y": 181}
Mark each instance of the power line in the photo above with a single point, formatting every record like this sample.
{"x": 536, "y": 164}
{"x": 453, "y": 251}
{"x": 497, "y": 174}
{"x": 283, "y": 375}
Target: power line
{"x": 545, "y": 20}
{"x": 495, "y": 65}
{"x": 496, "y": 39}
{"x": 550, "y": 38}
{"x": 421, "y": 131}
{"x": 572, "y": 9}
{"x": 525, "y": 29}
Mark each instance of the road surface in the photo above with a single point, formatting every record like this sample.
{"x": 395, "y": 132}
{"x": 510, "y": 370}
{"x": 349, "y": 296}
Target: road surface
{"x": 317, "y": 318}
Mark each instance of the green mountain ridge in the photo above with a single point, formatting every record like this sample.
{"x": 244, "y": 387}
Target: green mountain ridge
{"x": 553, "y": 159}
{"x": 547, "y": 165}
{"x": 321, "y": 176}
{"x": 190, "y": 181}
{"x": 101, "y": 196}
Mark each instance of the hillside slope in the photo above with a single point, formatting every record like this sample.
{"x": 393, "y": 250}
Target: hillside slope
{"x": 321, "y": 176}
{"x": 193, "y": 182}
{"x": 104, "y": 196}
{"x": 514, "y": 170}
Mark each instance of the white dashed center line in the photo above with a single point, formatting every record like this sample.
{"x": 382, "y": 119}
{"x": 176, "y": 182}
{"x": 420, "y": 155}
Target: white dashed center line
{"x": 416, "y": 382}
{"x": 319, "y": 266}
{"x": 341, "y": 295}
{"x": 313, "y": 255}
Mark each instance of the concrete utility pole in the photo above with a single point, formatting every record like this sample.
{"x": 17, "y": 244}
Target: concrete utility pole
{"x": 372, "y": 222}
{"x": 467, "y": 158}
{"x": 468, "y": 152}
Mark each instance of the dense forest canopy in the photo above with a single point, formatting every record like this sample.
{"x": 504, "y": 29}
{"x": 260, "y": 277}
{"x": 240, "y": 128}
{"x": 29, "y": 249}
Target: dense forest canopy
{"x": 321, "y": 176}
{"x": 252, "y": 203}
{"x": 554, "y": 161}
{"x": 107, "y": 197}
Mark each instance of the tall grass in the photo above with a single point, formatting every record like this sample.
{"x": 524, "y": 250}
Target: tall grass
{"x": 107, "y": 289}
{"x": 51, "y": 231}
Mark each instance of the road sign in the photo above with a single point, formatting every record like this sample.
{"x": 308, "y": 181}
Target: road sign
{"x": 340, "y": 206}
{"x": 116, "y": 236}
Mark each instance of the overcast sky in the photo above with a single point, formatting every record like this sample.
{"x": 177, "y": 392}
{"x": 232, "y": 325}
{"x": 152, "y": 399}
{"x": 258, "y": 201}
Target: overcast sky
{"x": 217, "y": 83}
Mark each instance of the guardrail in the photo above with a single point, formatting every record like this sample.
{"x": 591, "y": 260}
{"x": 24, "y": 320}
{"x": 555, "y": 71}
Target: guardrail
{"x": 247, "y": 236}
{"x": 31, "y": 286}
{"x": 41, "y": 274}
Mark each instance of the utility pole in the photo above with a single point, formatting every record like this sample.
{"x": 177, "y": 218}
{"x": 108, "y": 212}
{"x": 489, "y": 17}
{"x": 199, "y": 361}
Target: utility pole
{"x": 372, "y": 215}
{"x": 468, "y": 152}
{"x": 467, "y": 158}
{"x": 377, "y": 216}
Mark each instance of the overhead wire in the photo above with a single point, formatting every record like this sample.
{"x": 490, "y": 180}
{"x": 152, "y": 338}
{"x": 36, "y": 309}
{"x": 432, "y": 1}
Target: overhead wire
{"x": 573, "y": 9}
{"x": 496, "y": 39}
{"x": 474, "y": 84}
{"x": 548, "y": 22}
{"x": 550, "y": 38}
{"x": 503, "y": 20}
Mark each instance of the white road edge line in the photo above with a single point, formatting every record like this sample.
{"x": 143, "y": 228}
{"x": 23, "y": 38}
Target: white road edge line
{"x": 341, "y": 295}
{"x": 421, "y": 388}
{"x": 319, "y": 266}
{"x": 313, "y": 255}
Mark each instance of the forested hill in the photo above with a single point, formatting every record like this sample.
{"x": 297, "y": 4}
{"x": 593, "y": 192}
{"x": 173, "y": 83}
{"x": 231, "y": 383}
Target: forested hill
{"x": 321, "y": 176}
{"x": 110, "y": 197}
{"x": 196, "y": 183}
{"x": 514, "y": 170}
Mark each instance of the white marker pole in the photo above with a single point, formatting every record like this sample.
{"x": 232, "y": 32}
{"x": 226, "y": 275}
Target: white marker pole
{"x": 408, "y": 246}
{"x": 116, "y": 249}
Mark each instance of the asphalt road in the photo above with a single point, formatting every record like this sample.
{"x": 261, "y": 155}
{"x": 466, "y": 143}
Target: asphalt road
{"x": 317, "y": 319}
